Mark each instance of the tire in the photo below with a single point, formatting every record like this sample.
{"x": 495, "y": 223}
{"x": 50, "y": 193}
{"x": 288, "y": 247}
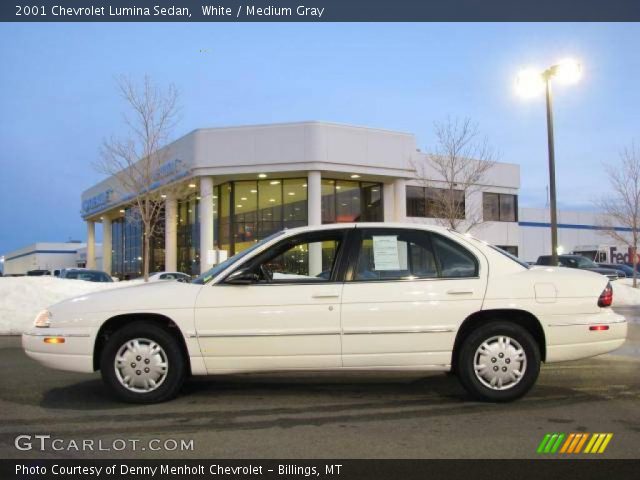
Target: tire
{"x": 507, "y": 383}
{"x": 152, "y": 366}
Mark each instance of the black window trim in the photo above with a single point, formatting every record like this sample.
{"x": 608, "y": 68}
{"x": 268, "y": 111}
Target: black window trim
{"x": 354, "y": 252}
{"x": 339, "y": 263}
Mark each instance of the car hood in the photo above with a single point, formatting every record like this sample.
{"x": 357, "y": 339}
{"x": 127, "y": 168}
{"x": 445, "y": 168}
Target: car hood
{"x": 144, "y": 297}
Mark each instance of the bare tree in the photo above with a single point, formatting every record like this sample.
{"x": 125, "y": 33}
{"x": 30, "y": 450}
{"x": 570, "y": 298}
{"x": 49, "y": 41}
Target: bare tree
{"x": 622, "y": 207}
{"x": 456, "y": 169}
{"x": 134, "y": 160}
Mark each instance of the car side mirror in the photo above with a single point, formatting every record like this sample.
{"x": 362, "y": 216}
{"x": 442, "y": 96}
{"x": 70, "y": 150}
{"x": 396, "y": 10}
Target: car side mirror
{"x": 244, "y": 276}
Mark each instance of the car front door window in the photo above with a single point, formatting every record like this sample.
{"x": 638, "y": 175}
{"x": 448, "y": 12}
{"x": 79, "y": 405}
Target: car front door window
{"x": 302, "y": 259}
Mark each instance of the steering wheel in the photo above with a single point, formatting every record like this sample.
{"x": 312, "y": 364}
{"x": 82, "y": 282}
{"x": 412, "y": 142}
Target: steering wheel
{"x": 266, "y": 272}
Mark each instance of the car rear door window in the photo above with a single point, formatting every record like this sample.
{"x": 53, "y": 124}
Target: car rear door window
{"x": 455, "y": 260}
{"x": 401, "y": 254}
{"x": 395, "y": 254}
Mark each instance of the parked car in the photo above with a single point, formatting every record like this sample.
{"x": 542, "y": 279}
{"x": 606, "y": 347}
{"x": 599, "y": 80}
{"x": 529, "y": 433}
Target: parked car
{"x": 38, "y": 273}
{"x": 161, "y": 276}
{"x": 631, "y": 266}
{"x": 623, "y": 270}
{"x": 84, "y": 274}
{"x": 368, "y": 296}
{"x": 579, "y": 262}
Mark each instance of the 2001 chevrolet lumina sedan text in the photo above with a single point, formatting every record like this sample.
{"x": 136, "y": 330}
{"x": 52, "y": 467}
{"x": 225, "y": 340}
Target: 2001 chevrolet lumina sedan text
{"x": 372, "y": 296}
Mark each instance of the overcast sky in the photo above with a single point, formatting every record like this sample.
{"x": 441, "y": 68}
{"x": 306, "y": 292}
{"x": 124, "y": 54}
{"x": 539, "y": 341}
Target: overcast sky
{"x": 58, "y": 98}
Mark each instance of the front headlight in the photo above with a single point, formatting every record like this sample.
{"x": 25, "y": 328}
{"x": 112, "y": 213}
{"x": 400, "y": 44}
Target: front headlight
{"x": 43, "y": 319}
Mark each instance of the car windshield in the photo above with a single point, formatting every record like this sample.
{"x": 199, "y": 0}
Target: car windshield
{"x": 209, "y": 275}
{"x": 584, "y": 262}
{"x": 87, "y": 275}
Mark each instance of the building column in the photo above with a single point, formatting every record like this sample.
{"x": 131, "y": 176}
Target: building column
{"x": 314, "y": 217}
{"x": 388, "y": 202}
{"x": 206, "y": 223}
{"x": 314, "y": 198}
{"x": 107, "y": 245}
{"x": 91, "y": 244}
{"x": 170, "y": 234}
{"x": 400, "y": 200}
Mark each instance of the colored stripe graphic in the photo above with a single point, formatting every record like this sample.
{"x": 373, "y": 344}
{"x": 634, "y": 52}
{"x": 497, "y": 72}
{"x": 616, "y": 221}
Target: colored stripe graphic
{"x": 581, "y": 442}
{"x": 567, "y": 442}
{"x": 573, "y": 443}
{"x": 543, "y": 443}
{"x": 607, "y": 439}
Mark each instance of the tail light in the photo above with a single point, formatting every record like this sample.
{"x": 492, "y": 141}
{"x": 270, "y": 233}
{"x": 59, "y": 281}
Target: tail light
{"x": 606, "y": 297}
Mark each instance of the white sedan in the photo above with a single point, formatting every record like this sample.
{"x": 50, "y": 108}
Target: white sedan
{"x": 368, "y": 296}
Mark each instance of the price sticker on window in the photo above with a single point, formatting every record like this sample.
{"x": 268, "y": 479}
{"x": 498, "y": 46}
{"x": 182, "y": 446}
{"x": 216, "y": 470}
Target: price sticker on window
{"x": 385, "y": 252}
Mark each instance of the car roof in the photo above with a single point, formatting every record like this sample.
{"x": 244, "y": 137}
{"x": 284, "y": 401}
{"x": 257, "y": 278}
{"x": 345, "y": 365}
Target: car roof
{"x": 84, "y": 270}
{"x": 338, "y": 226}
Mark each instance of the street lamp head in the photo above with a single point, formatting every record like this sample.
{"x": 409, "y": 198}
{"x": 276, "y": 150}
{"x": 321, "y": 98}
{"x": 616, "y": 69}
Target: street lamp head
{"x": 567, "y": 71}
{"x": 529, "y": 83}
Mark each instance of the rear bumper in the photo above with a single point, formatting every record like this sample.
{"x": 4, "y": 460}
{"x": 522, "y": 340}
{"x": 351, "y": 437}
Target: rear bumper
{"x": 74, "y": 355}
{"x": 570, "y": 338}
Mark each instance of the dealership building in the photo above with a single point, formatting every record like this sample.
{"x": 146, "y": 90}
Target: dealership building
{"x": 225, "y": 188}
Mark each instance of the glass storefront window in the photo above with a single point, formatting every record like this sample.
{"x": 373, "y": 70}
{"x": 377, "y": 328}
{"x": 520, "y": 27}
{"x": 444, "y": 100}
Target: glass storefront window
{"x": 224, "y": 237}
{"x": 269, "y": 193}
{"x": 328, "y": 202}
{"x": 372, "y": 208}
{"x": 252, "y": 210}
{"x": 350, "y": 201}
{"x": 294, "y": 194}
{"x": 127, "y": 246}
{"x": 245, "y": 208}
{"x": 348, "y": 206}
{"x": 189, "y": 235}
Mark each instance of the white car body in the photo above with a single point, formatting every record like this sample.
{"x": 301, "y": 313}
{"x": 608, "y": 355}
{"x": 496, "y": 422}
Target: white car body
{"x": 409, "y": 324}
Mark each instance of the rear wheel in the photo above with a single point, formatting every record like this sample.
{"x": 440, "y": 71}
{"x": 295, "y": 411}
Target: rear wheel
{"x": 499, "y": 362}
{"x": 143, "y": 363}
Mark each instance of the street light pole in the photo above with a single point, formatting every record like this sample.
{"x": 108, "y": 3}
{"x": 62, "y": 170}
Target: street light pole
{"x": 552, "y": 170}
{"x": 531, "y": 82}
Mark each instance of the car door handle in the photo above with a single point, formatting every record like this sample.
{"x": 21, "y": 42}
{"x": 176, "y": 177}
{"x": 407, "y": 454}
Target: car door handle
{"x": 325, "y": 295}
{"x": 459, "y": 292}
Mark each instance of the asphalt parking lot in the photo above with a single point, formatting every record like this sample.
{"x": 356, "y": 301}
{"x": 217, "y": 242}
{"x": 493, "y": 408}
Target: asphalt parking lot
{"x": 318, "y": 415}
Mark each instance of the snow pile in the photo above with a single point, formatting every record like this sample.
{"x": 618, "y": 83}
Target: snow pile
{"x": 21, "y": 298}
{"x": 624, "y": 294}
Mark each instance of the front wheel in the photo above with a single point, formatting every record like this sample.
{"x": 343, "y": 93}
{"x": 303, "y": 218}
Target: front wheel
{"x": 143, "y": 363}
{"x": 499, "y": 362}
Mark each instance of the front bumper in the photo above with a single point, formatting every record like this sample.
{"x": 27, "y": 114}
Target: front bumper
{"x": 570, "y": 338}
{"x": 74, "y": 355}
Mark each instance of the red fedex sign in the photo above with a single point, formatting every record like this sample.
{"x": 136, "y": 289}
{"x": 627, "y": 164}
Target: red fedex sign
{"x": 617, "y": 257}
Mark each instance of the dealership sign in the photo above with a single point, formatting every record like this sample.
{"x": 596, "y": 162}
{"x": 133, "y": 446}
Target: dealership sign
{"x": 97, "y": 202}
{"x": 167, "y": 172}
{"x": 167, "y": 169}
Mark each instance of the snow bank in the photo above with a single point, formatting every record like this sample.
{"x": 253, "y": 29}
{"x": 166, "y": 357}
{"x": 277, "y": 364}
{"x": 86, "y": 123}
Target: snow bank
{"x": 21, "y": 298}
{"x": 624, "y": 294}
